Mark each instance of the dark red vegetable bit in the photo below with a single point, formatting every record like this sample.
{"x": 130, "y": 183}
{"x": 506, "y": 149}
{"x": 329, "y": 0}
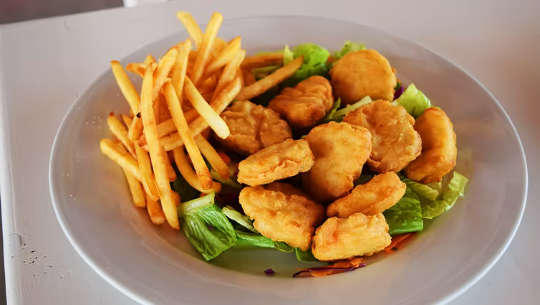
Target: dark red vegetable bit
{"x": 398, "y": 91}
{"x": 335, "y": 268}
{"x": 269, "y": 272}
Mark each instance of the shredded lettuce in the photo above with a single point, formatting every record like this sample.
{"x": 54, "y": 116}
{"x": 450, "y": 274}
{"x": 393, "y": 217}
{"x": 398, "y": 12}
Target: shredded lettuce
{"x": 406, "y": 215}
{"x": 414, "y": 101}
{"x": 304, "y": 256}
{"x": 455, "y": 190}
{"x": 348, "y": 46}
{"x": 315, "y": 58}
{"x": 239, "y": 218}
{"x": 206, "y": 227}
{"x": 422, "y": 190}
{"x": 339, "y": 114}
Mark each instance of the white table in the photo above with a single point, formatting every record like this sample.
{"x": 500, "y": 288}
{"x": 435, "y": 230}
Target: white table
{"x": 46, "y": 64}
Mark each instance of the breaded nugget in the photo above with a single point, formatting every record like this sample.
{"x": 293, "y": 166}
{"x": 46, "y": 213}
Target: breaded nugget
{"x": 377, "y": 195}
{"x": 356, "y": 235}
{"x": 282, "y": 213}
{"x": 275, "y": 162}
{"x": 395, "y": 142}
{"x": 305, "y": 104}
{"x": 363, "y": 73}
{"x": 253, "y": 127}
{"x": 439, "y": 150}
{"x": 340, "y": 150}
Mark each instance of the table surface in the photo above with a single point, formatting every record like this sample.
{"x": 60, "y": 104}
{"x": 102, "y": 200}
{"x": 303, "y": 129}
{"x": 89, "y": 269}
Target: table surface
{"x": 46, "y": 64}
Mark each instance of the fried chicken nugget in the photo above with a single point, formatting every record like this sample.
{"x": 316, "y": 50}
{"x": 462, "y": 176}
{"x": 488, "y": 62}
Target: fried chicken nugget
{"x": 275, "y": 162}
{"x": 340, "y": 150}
{"x": 363, "y": 73}
{"x": 282, "y": 213}
{"x": 305, "y": 104}
{"x": 253, "y": 127}
{"x": 395, "y": 142}
{"x": 439, "y": 150}
{"x": 356, "y": 235}
{"x": 373, "y": 197}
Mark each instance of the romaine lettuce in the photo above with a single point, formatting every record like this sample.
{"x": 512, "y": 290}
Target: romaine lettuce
{"x": 348, "y": 46}
{"x": 339, "y": 114}
{"x": 406, "y": 215}
{"x": 239, "y": 218}
{"x": 304, "y": 256}
{"x": 423, "y": 190}
{"x": 315, "y": 58}
{"x": 256, "y": 240}
{"x": 455, "y": 190}
{"x": 414, "y": 101}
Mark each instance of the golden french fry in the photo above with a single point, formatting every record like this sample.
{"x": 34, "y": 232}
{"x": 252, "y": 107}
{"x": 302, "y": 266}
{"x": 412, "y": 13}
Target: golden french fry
{"x": 273, "y": 79}
{"x": 213, "y": 157}
{"x": 183, "y": 129}
{"x": 149, "y": 59}
{"x": 126, "y": 86}
{"x": 191, "y": 26}
{"x": 249, "y": 78}
{"x": 157, "y": 155}
{"x": 164, "y": 67}
{"x": 166, "y": 127}
{"x": 224, "y": 98}
{"x": 226, "y": 55}
{"x": 154, "y": 211}
{"x": 171, "y": 173}
{"x": 262, "y": 60}
{"x": 135, "y": 129}
{"x": 229, "y": 72}
{"x": 180, "y": 68}
{"x": 189, "y": 174}
{"x": 213, "y": 119}
{"x": 136, "y": 190}
{"x": 127, "y": 120}
{"x": 120, "y": 157}
{"x": 206, "y": 46}
{"x": 145, "y": 167}
{"x": 136, "y": 68}
{"x": 208, "y": 84}
{"x": 120, "y": 132}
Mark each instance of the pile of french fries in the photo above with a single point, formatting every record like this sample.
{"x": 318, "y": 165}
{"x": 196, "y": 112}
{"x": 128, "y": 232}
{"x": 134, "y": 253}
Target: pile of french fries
{"x": 209, "y": 74}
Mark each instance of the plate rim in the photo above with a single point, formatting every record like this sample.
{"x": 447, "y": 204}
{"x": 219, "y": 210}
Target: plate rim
{"x": 489, "y": 263}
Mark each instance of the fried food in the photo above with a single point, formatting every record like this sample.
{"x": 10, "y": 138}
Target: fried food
{"x": 282, "y": 213}
{"x": 305, "y": 104}
{"x": 439, "y": 150}
{"x": 340, "y": 150}
{"x": 373, "y": 197}
{"x": 363, "y": 73}
{"x": 276, "y": 162}
{"x": 356, "y": 235}
{"x": 395, "y": 142}
{"x": 253, "y": 127}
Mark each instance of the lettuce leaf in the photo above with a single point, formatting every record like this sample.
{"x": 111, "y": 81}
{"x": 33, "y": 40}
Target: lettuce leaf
{"x": 256, "y": 240}
{"x": 414, "y": 101}
{"x": 339, "y": 114}
{"x": 315, "y": 58}
{"x": 455, "y": 190}
{"x": 239, "y": 218}
{"x": 206, "y": 227}
{"x": 304, "y": 256}
{"x": 406, "y": 215}
{"x": 348, "y": 46}
{"x": 422, "y": 190}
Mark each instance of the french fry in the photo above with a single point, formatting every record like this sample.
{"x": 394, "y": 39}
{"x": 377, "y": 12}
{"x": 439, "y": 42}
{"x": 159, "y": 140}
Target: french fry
{"x": 262, "y": 60}
{"x": 224, "y": 98}
{"x": 126, "y": 86}
{"x": 149, "y": 59}
{"x": 180, "y": 68}
{"x": 276, "y": 77}
{"x": 225, "y": 56}
{"x": 120, "y": 157}
{"x": 145, "y": 167}
{"x": 136, "y": 68}
{"x": 213, "y": 119}
{"x": 157, "y": 155}
{"x": 120, "y": 132}
{"x": 206, "y": 45}
{"x": 191, "y": 26}
{"x": 166, "y": 127}
{"x": 183, "y": 129}
{"x": 249, "y": 78}
{"x": 184, "y": 166}
{"x": 213, "y": 157}
{"x": 229, "y": 72}
{"x": 136, "y": 190}
{"x": 164, "y": 67}
{"x": 155, "y": 213}
{"x": 127, "y": 120}
{"x": 135, "y": 129}
{"x": 209, "y": 84}
{"x": 171, "y": 173}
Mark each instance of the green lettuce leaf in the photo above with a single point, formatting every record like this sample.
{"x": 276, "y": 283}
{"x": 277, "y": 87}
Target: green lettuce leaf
{"x": 239, "y": 218}
{"x": 256, "y": 240}
{"x": 406, "y": 215}
{"x": 230, "y": 181}
{"x": 348, "y": 46}
{"x": 262, "y": 72}
{"x": 315, "y": 58}
{"x": 455, "y": 190}
{"x": 206, "y": 227}
{"x": 304, "y": 256}
{"x": 423, "y": 190}
{"x": 339, "y": 114}
{"x": 414, "y": 101}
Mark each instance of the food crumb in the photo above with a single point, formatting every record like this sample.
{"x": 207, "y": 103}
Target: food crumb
{"x": 269, "y": 272}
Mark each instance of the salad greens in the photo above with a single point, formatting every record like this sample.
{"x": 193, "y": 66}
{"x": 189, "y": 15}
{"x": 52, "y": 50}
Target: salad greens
{"x": 414, "y": 101}
{"x": 183, "y": 188}
{"x": 304, "y": 256}
{"x": 338, "y": 114}
{"x": 406, "y": 215}
{"x": 423, "y": 190}
{"x": 315, "y": 58}
{"x": 256, "y": 240}
{"x": 455, "y": 190}
{"x": 348, "y": 46}
{"x": 239, "y": 218}
{"x": 206, "y": 227}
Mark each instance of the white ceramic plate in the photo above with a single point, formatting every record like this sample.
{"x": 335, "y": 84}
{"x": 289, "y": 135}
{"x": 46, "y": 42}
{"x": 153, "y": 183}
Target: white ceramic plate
{"x": 157, "y": 265}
